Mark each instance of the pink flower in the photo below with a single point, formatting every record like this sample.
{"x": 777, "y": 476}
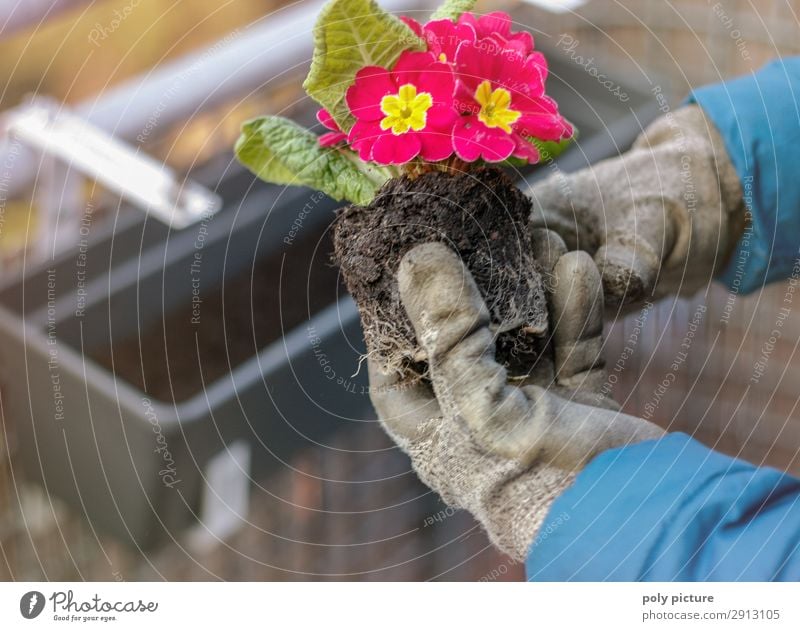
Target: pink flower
{"x": 335, "y": 135}
{"x": 443, "y": 37}
{"x": 403, "y": 113}
{"x": 497, "y": 26}
{"x": 501, "y": 96}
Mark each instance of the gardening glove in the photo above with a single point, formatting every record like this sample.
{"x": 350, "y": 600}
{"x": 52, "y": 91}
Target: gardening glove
{"x": 503, "y": 451}
{"x": 664, "y": 216}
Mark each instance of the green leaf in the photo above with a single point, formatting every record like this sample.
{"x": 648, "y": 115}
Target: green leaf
{"x": 514, "y": 162}
{"x": 452, "y": 9}
{"x": 278, "y": 150}
{"x": 348, "y": 35}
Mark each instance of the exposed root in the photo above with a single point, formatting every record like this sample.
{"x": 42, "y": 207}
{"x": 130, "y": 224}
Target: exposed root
{"x": 479, "y": 214}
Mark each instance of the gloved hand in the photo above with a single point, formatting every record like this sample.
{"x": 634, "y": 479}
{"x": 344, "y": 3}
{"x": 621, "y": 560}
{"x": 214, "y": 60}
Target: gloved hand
{"x": 502, "y": 451}
{"x": 664, "y": 215}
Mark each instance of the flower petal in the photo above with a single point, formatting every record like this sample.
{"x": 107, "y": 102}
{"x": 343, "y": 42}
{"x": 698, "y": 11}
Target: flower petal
{"x": 518, "y": 73}
{"x": 473, "y": 140}
{"x": 364, "y": 96}
{"x": 522, "y": 41}
{"x": 538, "y": 60}
{"x": 409, "y": 66}
{"x": 391, "y": 149}
{"x": 540, "y": 119}
{"x": 476, "y": 62}
{"x": 469, "y": 19}
{"x": 362, "y": 137}
{"x": 413, "y": 25}
{"x": 525, "y": 150}
{"x": 444, "y": 36}
{"x": 436, "y": 145}
{"x": 332, "y": 138}
{"x": 439, "y": 81}
{"x": 324, "y": 117}
{"x": 441, "y": 116}
{"x": 495, "y": 22}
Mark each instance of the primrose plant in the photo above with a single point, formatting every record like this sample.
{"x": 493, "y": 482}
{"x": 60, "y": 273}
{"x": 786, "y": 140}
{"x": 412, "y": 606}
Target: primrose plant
{"x": 399, "y": 97}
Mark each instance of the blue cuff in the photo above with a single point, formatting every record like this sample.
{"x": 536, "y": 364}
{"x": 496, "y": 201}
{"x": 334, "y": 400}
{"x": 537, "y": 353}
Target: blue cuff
{"x": 758, "y": 117}
{"x": 669, "y": 510}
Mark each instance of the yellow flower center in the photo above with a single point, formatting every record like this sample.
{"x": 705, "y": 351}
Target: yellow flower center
{"x": 495, "y": 104}
{"x": 405, "y": 110}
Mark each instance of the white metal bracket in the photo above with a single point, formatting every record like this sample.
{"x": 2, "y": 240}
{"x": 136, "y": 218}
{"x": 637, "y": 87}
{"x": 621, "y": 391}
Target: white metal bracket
{"x": 72, "y": 147}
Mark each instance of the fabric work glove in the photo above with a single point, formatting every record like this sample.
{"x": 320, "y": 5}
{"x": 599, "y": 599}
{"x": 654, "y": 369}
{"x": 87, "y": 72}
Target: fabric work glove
{"x": 503, "y": 451}
{"x": 664, "y": 216}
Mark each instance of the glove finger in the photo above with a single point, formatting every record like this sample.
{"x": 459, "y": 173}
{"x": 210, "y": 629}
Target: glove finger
{"x": 577, "y": 317}
{"x": 440, "y": 297}
{"x": 548, "y": 247}
{"x": 525, "y": 424}
{"x": 632, "y": 252}
{"x": 554, "y": 208}
{"x": 576, "y": 432}
{"x": 587, "y": 393}
{"x": 451, "y": 322}
{"x": 403, "y": 405}
{"x": 629, "y": 271}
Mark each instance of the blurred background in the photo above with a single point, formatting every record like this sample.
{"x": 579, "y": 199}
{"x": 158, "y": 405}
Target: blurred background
{"x": 187, "y": 404}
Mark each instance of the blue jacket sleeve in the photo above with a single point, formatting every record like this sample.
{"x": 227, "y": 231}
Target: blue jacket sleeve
{"x": 671, "y": 510}
{"x": 758, "y": 117}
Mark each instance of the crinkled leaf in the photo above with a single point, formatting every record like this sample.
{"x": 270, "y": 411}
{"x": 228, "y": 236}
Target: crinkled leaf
{"x": 278, "y": 150}
{"x": 452, "y": 9}
{"x": 348, "y": 35}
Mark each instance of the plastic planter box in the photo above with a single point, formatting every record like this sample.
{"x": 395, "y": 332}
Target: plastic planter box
{"x": 135, "y": 458}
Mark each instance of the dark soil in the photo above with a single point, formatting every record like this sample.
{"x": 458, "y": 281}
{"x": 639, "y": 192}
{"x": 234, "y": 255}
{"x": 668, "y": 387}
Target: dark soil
{"x": 168, "y": 363}
{"x": 483, "y": 217}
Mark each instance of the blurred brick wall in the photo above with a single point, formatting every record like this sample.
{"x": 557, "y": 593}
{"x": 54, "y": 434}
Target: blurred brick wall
{"x": 737, "y": 387}
{"x": 714, "y": 367}
{"x": 6, "y": 510}
{"x": 681, "y": 44}
{"x": 326, "y": 516}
